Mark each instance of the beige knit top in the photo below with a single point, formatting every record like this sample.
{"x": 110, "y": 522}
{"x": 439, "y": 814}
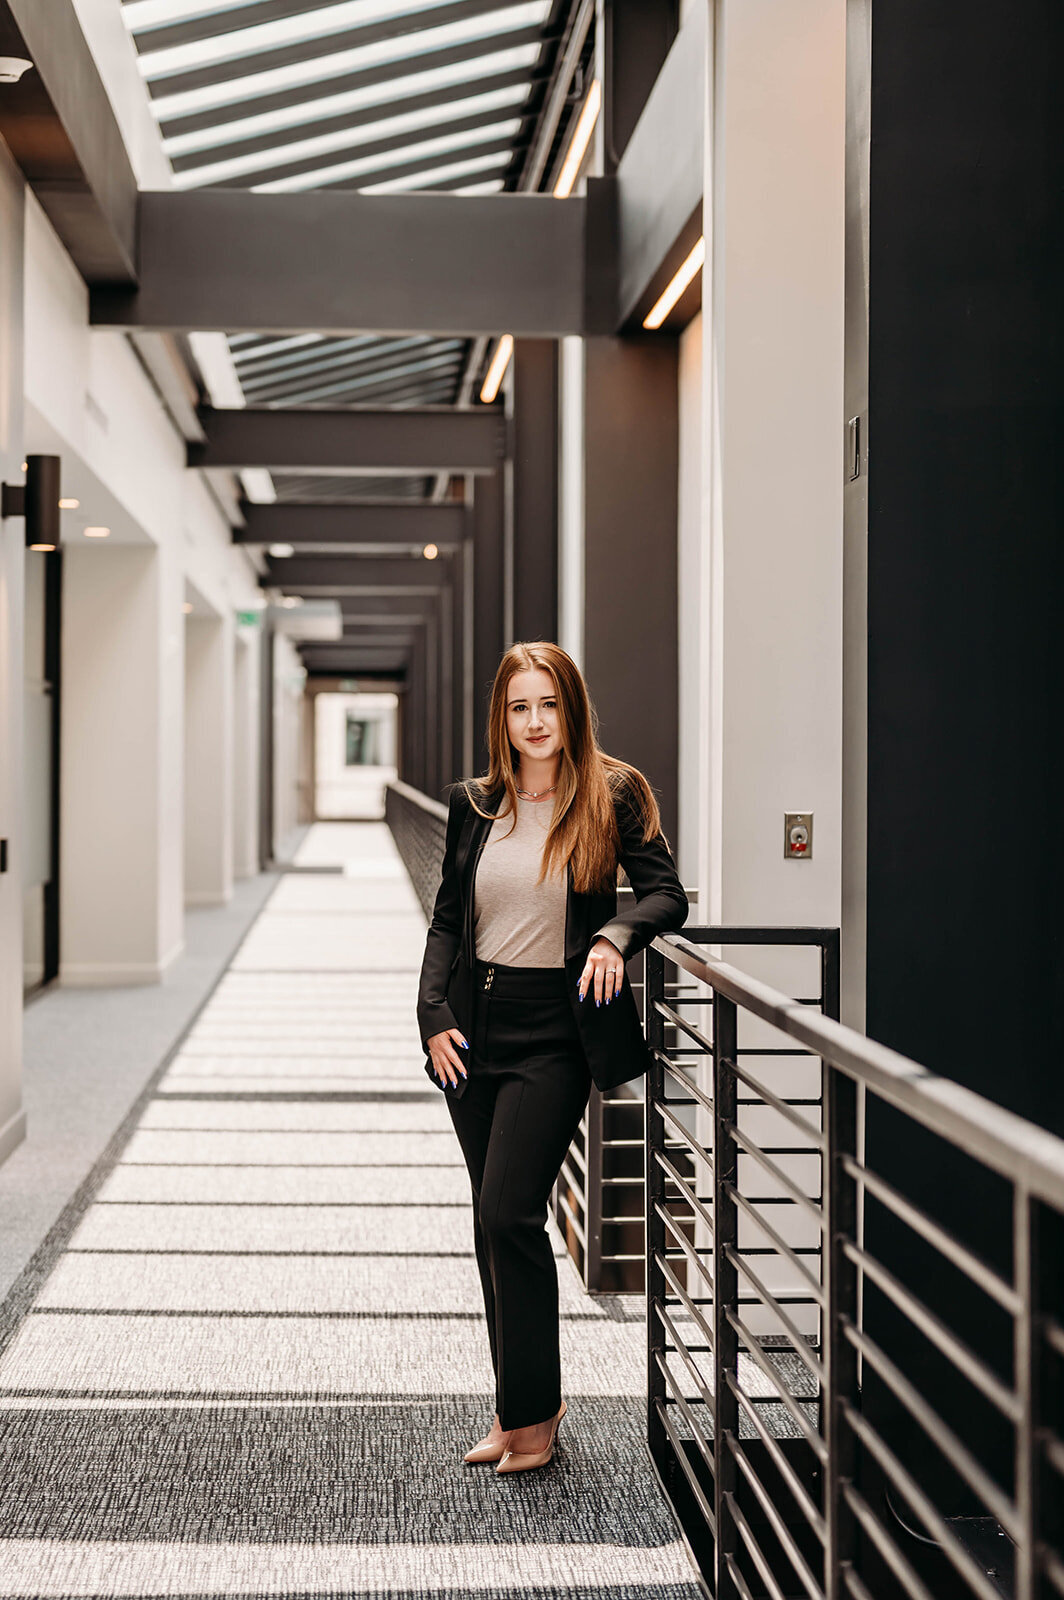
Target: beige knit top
{"x": 518, "y": 922}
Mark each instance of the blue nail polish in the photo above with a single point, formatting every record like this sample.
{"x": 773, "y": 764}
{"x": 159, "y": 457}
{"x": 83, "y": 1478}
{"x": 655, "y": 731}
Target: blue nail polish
{"x": 465, "y": 1044}
{"x": 597, "y": 1003}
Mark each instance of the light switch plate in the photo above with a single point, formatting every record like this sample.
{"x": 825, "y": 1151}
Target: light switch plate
{"x": 797, "y": 835}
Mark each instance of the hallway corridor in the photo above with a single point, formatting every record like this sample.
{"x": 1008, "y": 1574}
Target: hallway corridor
{"x": 248, "y": 1357}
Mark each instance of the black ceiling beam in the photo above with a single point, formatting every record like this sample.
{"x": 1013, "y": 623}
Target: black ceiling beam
{"x": 414, "y": 441}
{"x": 58, "y": 125}
{"x": 327, "y": 262}
{"x": 404, "y": 522}
{"x": 301, "y": 574}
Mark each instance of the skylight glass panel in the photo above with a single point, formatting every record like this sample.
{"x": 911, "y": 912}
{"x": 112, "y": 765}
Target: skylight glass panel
{"x": 522, "y": 58}
{"x": 426, "y": 178}
{"x": 345, "y": 138}
{"x": 496, "y": 134}
{"x": 252, "y": 41}
{"x": 492, "y": 186}
{"x": 140, "y": 16}
{"x": 360, "y": 58}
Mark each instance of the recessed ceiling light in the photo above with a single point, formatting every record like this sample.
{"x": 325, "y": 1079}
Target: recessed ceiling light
{"x": 42, "y": 546}
{"x": 186, "y": 607}
{"x": 69, "y": 505}
{"x": 97, "y": 533}
{"x": 282, "y": 550}
{"x": 430, "y": 552}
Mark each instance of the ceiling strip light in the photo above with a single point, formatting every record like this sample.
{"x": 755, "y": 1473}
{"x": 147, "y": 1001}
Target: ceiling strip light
{"x": 574, "y": 156}
{"x": 499, "y": 363}
{"x": 685, "y": 275}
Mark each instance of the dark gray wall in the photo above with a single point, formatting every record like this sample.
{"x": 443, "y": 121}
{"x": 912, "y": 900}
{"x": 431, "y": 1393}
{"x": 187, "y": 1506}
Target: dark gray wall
{"x": 630, "y": 576}
{"x": 532, "y": 492}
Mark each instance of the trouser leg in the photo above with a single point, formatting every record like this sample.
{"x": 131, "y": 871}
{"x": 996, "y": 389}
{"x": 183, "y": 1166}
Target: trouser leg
{"x": 537, "y": 1111}
{"x": 472, "y": 1117}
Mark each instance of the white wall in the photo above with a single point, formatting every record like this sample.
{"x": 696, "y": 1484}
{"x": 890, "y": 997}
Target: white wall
{"x": 90, "y": 401}
{"x": 357, "y": 791}
{"x": 571, "y": 500}
{"x": 692, "y": 845}
{"x": 209, "y": 757}
{"x": 246, "y": 641}
{"x": 12, "y": 544}
{"x": 773, "y": 339}
{"x": 289, "y": 677}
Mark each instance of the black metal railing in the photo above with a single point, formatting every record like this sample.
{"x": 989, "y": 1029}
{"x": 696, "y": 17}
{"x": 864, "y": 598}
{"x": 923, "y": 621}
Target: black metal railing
{"x": 599, "y": 1199}
{"x": 418, "y": 825}
{"x": 855, "y": 1305}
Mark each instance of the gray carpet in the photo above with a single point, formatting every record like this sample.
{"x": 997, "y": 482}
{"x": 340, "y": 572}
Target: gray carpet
{"x": 247, "y": 1358}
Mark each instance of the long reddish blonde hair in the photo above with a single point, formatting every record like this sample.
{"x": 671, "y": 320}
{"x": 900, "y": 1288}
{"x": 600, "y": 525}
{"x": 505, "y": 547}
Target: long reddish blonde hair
{"x": 583, "y": 831}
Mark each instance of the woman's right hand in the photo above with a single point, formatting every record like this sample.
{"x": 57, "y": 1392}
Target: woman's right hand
{"x": 446, "y": 1062}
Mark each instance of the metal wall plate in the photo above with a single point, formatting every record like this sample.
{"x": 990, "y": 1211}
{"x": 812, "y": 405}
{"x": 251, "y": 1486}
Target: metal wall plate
{"x": 797, "y": 835}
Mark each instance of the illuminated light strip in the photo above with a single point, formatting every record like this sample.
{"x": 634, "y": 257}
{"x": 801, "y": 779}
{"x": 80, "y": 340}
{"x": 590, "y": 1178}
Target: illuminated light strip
{"x": 499, "y": 363}
{"x": 660, "y": 310}
{"x": 585, "y": 127}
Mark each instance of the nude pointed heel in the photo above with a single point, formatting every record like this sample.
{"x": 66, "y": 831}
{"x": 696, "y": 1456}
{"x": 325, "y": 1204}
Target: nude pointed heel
{"x": 526, "y": 1460}
{"x": 485, "y": 1452}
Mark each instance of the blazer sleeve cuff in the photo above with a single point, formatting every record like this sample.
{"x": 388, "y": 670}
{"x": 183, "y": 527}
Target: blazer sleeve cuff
{"x": 436, "y": 1018}
{"x": 621, "y": 935}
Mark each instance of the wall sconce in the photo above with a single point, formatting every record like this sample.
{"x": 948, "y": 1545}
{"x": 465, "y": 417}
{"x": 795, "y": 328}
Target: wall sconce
{"x": 37, "y": 500}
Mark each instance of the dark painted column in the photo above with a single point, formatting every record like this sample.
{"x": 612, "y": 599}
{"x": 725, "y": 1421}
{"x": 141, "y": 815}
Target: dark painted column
{"x": 634, "y": 38}
{"x": 532, "y": 492}
{"x": 462, "y": 656}
{"x": 488, "y": 534}
{"x": 630, "y": 574}
{"x": 965, "y": 872}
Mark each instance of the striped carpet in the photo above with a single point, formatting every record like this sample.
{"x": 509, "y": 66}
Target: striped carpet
{"x": 247, "y": 1359}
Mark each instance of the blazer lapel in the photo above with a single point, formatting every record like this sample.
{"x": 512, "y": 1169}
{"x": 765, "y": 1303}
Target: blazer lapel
{"x": 473, "y": 835}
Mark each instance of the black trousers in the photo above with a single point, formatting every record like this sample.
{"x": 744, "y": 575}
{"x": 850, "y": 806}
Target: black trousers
{"x": 528, "y": 1086}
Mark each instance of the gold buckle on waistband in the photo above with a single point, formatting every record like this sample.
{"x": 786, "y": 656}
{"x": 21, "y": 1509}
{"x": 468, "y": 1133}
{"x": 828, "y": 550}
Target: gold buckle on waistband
{"x": 488, "y": 976}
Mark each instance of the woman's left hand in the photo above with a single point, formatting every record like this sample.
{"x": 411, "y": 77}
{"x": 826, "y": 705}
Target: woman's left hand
{"x": 603, "y": 972}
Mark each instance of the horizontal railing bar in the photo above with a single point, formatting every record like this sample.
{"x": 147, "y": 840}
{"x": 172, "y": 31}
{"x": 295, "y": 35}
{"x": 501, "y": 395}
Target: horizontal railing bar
{"x": 790, "y": 1252}
{"x": 755, "y": 1152}
{"x": 930, "y": 1516}
{"x": 955, "y": 1350}
{"x": 798, "y": 1490}
{"x": 1055, "y": 1454}
{"x": 940, "y": 1433}
{"x": 787, "y": 1542}
{"x": 1054, "y": 1334}
{"x": 785, "y": 1398}
{"x": 686, "y": 1027}
{"x": 574, "y": 1222}
{"x": 752, "y": 1050}
{"x": 954, "y": 1252}
{"x": 692, "y": 1305}
{"x": 753, "y": 1549}
{"x": 680, "y": 1402}
{"x": 770, "y": 1098}
{"x": 787, "y": 1100}
{"x": 892, "y": 1555}
{"x": 703, "y": 1099}
{"x": 682, "y": 1351}
{"x": 1027, "y": 1154}
{"x": 691, "y": 1143}
{"x": 573, "y": 1179}
{"x": 634, "y": 1256}
{"x": 775, "y": 1304}
{"x": 742, "y": 1587}
{"x": 579, "y": 1157}
{"x": 681, "y": 1183}
{"x": 686, "y": 1249}
{"x": 1054, "y": 1570}
{"x": 854, "y": 1583}
{"x": 685, "y": 1466}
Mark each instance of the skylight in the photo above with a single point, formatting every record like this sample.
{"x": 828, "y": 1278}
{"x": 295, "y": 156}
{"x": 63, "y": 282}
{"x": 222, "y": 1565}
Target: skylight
{"x": 252, "y": 41}
{"x": 358, "y": 59}
{"x": 345, "y": 138}
{"x": 323, "y": 176}
{"x": 521, "y": 58}
{"x": 433, "y": 175}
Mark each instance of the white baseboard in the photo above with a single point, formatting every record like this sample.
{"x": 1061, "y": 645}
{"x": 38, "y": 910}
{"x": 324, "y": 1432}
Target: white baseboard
{"x": 12, "y": 1134}
{"x": 203, "y": 898}
{"x": 116, "y": 974}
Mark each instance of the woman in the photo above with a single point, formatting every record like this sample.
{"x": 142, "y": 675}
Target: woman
{"x": 523, "y": 1003}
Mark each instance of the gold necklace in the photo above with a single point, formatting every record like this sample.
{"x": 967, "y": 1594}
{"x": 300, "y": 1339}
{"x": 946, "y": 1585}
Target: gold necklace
{"x": 536, "y": 794}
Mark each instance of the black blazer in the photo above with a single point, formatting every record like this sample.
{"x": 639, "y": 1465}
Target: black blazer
{"x": 612, "y": 1035}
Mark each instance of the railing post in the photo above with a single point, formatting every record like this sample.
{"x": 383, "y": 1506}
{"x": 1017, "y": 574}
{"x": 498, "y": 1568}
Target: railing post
{"x": 838, "y": 1356}
{"x": 654, "y": 1134}
{"x": 725, "y": 1286}
{"x": 593, "y": 1192}
{"x": 1029, "y": 1284}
